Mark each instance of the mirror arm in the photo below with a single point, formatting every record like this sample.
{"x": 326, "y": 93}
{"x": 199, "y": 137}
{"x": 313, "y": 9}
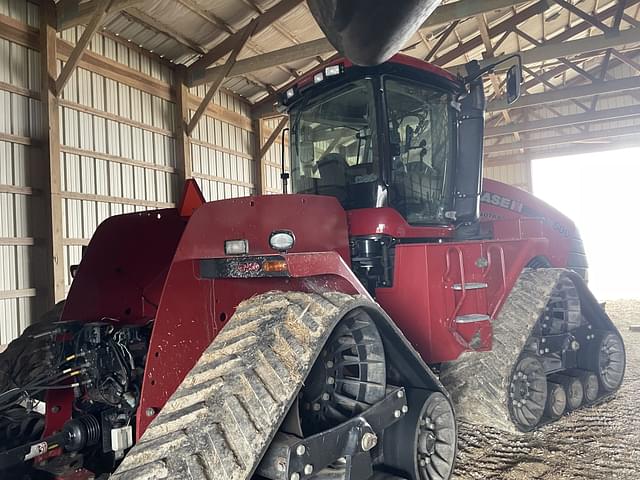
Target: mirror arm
{"x": 490, "y": 68}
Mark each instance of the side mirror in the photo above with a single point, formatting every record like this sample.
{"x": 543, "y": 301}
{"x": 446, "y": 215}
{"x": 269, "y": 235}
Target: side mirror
{"x": 514, "y": 78}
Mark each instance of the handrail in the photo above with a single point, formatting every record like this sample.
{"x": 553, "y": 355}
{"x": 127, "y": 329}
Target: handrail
{"x": 503, "y": 290}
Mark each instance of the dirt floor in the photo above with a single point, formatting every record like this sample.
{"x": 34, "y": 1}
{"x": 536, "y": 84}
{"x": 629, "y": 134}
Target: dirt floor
{"x": 600, "y": 442}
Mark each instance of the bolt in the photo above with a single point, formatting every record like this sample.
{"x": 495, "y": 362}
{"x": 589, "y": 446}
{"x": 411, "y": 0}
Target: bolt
{"x": 400, "y": 394}
{"x": 541, "y": 352}
{"x": 369, "y": 440}
{"x": 575, "y": 345}
{"x": 422, "y": 462}
{"x": 546, "y": 350}
{"x": 55, "y": 409}
{"x": 150, "y": 412}
{"x": 300, "y": 449}
{"x": 396, "y": 413}
{"x": 308, "y": 469}
{"x": 544, "y": 340}
{"x": 316, "y": 407}
{"x": 331, "y": 380}
{"x": 405, "y": 409}
{"x": 295, "y": 476}
{"x": 329, "y": 364}
{"x": 282, "y": 465}
{"x": 325, "y": 396}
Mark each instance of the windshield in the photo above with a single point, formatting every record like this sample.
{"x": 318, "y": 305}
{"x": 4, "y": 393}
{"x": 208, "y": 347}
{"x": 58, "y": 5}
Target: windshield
{"x": 335, "y": 149}
{"x": 420, "y": 137}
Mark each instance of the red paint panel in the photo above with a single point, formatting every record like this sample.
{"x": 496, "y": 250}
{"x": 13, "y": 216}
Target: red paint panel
{"x": 122, "y": 273}
{"x": 318, "y": 223}
{"x": 387, "y": 221}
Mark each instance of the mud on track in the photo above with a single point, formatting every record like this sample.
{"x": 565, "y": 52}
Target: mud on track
{"x": 599, "y": 442}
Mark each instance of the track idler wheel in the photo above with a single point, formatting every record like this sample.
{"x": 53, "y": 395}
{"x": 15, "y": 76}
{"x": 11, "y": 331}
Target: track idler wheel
{"x": 605, "y": 356}
{"x": 527, "y": 393}
{"x": 573, "y": 389}
{"x": 590, "y": 385}
{"x": 556, "y": 401}
{"x": 431, "y": 423}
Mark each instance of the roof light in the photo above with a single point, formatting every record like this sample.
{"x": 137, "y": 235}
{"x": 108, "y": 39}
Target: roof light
{"x": 332, "y": 70}
{"x": 289, "y": 93}
{"x": 281, "y": 240}
{"x": 318, "y": 77}
{"x": 236, "y": 247}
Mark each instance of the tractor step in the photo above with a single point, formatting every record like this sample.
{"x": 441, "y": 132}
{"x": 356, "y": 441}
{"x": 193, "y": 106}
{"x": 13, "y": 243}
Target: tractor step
{"x": 469, "y": 286}
{"x": 472, "y": 318}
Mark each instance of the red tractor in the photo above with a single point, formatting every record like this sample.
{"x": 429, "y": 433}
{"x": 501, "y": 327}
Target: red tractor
{"x": 329, "y": 333}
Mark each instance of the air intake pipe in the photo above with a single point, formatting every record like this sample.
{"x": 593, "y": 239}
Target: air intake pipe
{"x": 468, "y": 169}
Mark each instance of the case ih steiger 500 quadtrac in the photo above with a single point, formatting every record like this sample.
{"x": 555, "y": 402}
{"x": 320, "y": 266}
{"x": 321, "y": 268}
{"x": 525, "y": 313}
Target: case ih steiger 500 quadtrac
{"x": 329, "y": 333}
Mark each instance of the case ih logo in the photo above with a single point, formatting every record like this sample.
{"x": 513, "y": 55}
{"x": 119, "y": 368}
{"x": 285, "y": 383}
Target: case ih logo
{"x": 502, "y": 202}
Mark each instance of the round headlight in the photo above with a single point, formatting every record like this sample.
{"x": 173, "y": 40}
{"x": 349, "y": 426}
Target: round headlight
{"x": 282, "y": 240}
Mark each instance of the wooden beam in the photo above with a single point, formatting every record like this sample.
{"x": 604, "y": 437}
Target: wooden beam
{"x": 216, "y": 82}
{"x": 102, "y": 8}
{"x": 196, "y": 71}
{"x": 272, "y": 138}
{"x": 608, "y": 114}
{"x": 564, "y": 94}
{"x": 443, "y": 37}
{"x": 258, "y": 164}
{"x": 562, "y": 150}
{"x": 273, "y": 59}
{"x": 554, "y": 50}
{"x": 498, "y": 29}
{"x": 71, "y": 13}
{"x": 183, "y": 145}
{"x": 584, "y": 16}
{"x": 562, "y": 139}
{"x": 53, "y": 281}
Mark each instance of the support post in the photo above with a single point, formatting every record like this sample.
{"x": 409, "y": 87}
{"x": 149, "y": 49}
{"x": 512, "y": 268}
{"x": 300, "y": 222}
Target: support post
{"x": 183, "y": 144}
{"x": 51, "y": 188}
{"x": 102, "y": 8}
{"x": 258, "y": 134}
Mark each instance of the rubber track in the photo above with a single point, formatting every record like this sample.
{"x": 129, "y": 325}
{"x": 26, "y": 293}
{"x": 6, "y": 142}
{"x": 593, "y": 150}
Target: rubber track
{"x": 478, "y": 382}
{"x": 222, "y": 417}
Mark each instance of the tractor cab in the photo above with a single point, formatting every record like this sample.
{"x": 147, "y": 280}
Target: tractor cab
{"x": 384, "y": 136}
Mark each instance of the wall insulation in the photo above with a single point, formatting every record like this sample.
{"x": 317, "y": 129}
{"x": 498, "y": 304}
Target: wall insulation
{"x": 20, "y": 127}
{"x": 517, "y": 174}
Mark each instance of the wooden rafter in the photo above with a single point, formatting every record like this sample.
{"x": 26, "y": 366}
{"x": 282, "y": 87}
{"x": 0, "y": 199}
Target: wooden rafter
{"x": 217, "y": 82}
{"x": 593, "y": 20}
{"x": 272, "y": 138}
{"x": 197, "y": 70}
{"x": 102, "y": 8}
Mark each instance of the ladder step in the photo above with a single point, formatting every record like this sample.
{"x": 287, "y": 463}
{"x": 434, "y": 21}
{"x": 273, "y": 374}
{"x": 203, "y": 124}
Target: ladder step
{"x": 469, "y": 286}
{"x": 472, "y": 318}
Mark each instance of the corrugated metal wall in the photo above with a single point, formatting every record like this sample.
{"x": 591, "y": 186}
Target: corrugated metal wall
{"x": 222, "y": 148}
{"x": 117, "y": 145}
{"x": 518, "y": 174}
{"x": 117, "y": 152}
{"x": 19, "y": 130}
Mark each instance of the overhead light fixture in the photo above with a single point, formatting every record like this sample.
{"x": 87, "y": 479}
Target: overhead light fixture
{"x": 318, "y": 77}
{"x": 289, "y": 93}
